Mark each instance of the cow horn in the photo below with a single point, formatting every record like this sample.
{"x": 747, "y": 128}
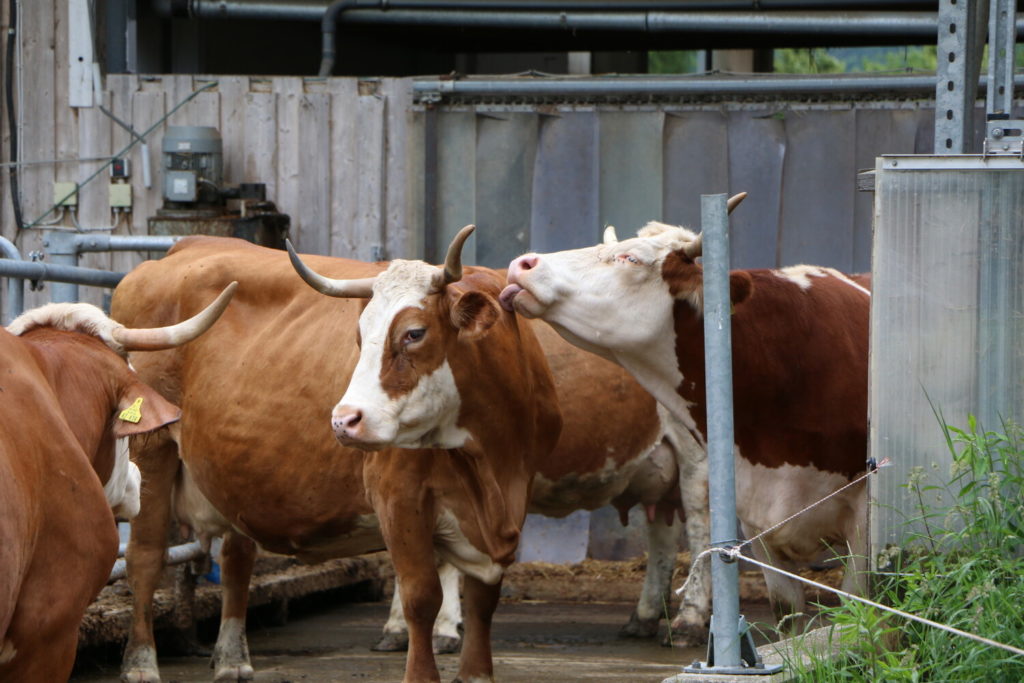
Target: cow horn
{"x": 453, "y": 261}
{"x": 358, "y": 288}
{"x": 158, "y": 338}
{"x": 693, "y": 249}
{"x": 609, "y": 235}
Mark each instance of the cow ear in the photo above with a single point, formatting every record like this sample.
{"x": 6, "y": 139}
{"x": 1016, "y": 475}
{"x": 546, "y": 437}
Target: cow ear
{"x": 740, "y": 287}
{"x": 141, "y": 409}
{"x": 473, "y": 313}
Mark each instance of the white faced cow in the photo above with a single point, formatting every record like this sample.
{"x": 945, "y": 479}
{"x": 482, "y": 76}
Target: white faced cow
{"x": 800, "y": 353}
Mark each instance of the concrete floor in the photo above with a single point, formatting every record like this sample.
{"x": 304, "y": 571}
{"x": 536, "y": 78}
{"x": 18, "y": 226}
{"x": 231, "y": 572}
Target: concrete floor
{"x": 534, "y": 642}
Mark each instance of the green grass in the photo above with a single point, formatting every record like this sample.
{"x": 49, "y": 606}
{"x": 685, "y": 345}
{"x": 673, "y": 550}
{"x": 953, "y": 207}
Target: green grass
{"x": 966, "y": 570}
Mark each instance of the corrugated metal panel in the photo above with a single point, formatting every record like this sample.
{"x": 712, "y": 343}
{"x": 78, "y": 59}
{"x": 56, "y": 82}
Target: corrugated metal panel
{"x": 696, "y": 163}
{"x": 565, "y": 212}
{"x": 947, "y": 323}
{"x": 630, "y": 176}
{"x": 506, "y": 148}
{"x": 757, "y": 149}
{"x": 456, "y": 183}
{"x": 819, "y": 161}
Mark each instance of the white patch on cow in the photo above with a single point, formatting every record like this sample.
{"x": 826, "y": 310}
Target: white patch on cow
{"x": 424, "y": 417}
{"x": 7, "y": 651}
{"x": 446, "y": 625}
{"x": 124, "y": 486}
{"x": 452, "y": 546}
{"x": 193, "y": 508}
{"x": 801, "y": 276}
{"x": 662, "y": 546}
{"x": 74, "y": 317}
{"x": 231, "y": 653}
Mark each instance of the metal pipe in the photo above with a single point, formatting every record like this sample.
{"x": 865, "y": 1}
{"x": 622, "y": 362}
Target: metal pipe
{"x": 15, "y": 286}
{"x": 721, "y": 475}
{"x": 97, "y": 242}
{"x": 311, "y": 10}
{"x": 59, "y": 273}
{"x": 782, "y": 86}
{"x": 176, "y": 554}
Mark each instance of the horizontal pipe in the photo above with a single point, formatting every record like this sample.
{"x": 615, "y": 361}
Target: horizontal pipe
{"x": 693, "y": 86}
{"x": 176, "y": 554}
{"x": 87, "y": 242}
{"x": 310, "y": 10}
{"x": 58, "y": 273}
{"x": 15, "y": 286}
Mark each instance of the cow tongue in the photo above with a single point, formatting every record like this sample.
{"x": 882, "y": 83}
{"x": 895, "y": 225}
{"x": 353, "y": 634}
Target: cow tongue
{"x": 506, "y": 296}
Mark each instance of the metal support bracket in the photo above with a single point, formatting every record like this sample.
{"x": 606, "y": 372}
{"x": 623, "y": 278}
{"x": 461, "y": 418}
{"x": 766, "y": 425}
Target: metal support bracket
{"x": 751, "y": 661}
{"x": 1003, "y": 135}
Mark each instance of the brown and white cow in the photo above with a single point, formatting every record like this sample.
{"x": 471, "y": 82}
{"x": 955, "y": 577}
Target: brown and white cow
{"x": 442, "y": 371}
{"x": 618, "y": 447}
{"x": 800, "y": 352}
{"x": 66, "y": 395}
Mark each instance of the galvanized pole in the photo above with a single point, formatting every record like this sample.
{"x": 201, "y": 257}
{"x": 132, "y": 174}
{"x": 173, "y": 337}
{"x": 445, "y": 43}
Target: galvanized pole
{"x": 721, "y": 476}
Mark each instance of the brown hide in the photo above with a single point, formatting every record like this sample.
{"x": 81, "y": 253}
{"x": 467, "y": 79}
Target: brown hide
{"x": 59, "y": 393}
{"x": 799, "y": 372}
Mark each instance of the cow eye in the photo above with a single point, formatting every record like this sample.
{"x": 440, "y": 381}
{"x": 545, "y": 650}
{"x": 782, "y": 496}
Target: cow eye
{"x": 413, "y": 335}
{"x": 629, "y": 258}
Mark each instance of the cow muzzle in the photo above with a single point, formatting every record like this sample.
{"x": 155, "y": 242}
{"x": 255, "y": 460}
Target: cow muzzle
{"x": 352, "y": 429}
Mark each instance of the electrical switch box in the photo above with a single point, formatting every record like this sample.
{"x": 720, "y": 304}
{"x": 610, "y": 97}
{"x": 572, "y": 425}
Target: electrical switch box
{"x": 61, "y": 192}
{"x": 120, "y": 196}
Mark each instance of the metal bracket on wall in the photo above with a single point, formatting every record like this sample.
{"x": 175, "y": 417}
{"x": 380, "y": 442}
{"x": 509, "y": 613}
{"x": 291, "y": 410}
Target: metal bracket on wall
{"x": 1004, "y": 135}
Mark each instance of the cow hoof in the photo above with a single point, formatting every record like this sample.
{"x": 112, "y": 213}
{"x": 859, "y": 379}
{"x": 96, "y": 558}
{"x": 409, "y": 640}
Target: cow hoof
{"x": 639, "y": 628}
{"x": 392, "y": 642}
{"x": 446, "y": 645}
{"x": 140, "y": 676}
{"x": 232, "y": 674}
{"x": 685, "y": 636}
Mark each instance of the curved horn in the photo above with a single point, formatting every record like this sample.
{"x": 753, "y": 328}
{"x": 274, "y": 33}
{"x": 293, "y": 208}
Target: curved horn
{"x": 609, "y": 235}
{"x": 359, "y": 288}
{"x": 453, "y": 261}
{"x": 734, "y": 201}
{"x": 158, "y": 338}
{"x": 694, "y": 248}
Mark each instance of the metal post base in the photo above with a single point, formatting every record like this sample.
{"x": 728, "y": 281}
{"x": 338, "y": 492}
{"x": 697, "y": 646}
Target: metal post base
{"x": 750, "y": 660}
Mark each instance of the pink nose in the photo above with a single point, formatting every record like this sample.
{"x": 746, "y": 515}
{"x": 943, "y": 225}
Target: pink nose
{"x": 347, "y": 422}
{"x": 522, "y": 264}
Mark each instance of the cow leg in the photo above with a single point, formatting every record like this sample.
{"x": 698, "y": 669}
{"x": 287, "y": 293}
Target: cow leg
{"x": 446, "y": 637}
{"x": 158, "y": 462}
{"x": 655, "y": 599}
{"x": 785, "y": 594}
{"x": 690, "y": 625}
{"x": 231, "y": 653}
{"x": 475, "y": 664}
{"x": 421, "y": 601}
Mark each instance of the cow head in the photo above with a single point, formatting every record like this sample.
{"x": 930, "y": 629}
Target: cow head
{"x": 616, "y": 297}
{"x": 102, "y": 398}
{"x": 403, "y": 391}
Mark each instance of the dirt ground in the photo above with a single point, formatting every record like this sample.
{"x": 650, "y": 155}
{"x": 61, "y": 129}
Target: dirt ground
{"x": 555, "y": 623}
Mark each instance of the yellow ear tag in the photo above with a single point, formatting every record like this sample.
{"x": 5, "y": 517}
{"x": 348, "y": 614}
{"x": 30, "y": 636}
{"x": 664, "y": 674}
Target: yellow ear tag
{"x": 132, "y": 413}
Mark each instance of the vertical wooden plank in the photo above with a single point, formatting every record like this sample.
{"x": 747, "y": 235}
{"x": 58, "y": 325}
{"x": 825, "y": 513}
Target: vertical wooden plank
{"x": 122, "y": 88}
{"x": 819, "y": 164}
{"x": 344, "y": 148}
{"x": 290, "y": 160}
{"x": 178, "y": 87}
{"x": 696, "y": 163}
{"x": 631, "y": 169}
{"x": 314, "y": 190}
{"x": 147, "y": 108}
{"x": 38, "y": 127}
{"x": 93, "y": 200}
{"x": 233, "y": 90}
{"x": 505, "y": 157}
{"x": 566, "y": 183}
{"x": 260, "y": 155}
{"x": 757, "y": 149}
{"x": 403, "y": 172}
{"x": 368, "y": 227}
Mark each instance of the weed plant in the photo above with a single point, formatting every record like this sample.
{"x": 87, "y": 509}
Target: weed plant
{"x": 966, "y": 570}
